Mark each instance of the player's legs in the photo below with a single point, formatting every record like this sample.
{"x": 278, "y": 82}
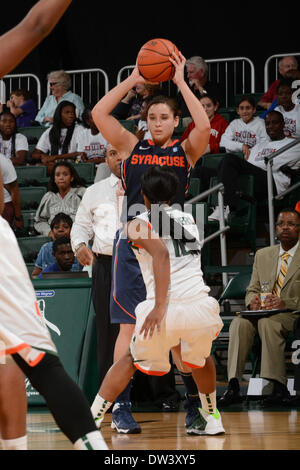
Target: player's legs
{"x": 13, "y": 407}
{"x": 65, "y": 400}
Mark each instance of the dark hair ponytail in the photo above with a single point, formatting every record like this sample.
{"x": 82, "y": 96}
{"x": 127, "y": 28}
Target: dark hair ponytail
{"x": 159, "y": 185}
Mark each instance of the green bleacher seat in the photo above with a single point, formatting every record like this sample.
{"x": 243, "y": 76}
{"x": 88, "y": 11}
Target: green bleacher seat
{"x": 242, "y": 222}
{"x": 30, "y": 246}
{"x": 31, "y": 196}
{"x": 32, "y": 133}
{"x": 29, "y": 174}
{"x": 86, "y": 171}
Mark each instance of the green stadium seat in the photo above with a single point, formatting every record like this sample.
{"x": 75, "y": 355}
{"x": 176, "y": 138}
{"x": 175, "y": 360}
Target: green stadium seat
{"x": 86, "y": 171}
{"x": 27, "y": 175}
{"x": 30, "y": 246}
{"x": 130, "y": 125}
{"x": 31, "y": 196}
{"x": 32, "y": 133}
{"x": 242, "y": 222}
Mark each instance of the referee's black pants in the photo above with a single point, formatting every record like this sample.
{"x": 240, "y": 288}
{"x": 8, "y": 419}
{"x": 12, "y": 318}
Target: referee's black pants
{"x": 106, "y": 332}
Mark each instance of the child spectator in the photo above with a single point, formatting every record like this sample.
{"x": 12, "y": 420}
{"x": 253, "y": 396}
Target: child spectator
{"x": 22, "y": 107}
{"x": 91, "y": 142}
{"x": 12, "y": 144}
{"x": 217, "y": 123}
{"x": 60, "y": 227}
{"x": 60, "y": 142}
{"x": 243, "y": 133}
{"x": 66, "y": 189}
{"x": 289, "y": 110}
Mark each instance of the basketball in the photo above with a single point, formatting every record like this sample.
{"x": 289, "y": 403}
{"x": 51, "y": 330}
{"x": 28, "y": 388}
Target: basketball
{"x": 153, "y": 60}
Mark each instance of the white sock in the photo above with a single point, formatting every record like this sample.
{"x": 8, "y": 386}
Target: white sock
{"x": 208, "y": 402}
{"x": 19, "y": 443}
{"x": 99, "y": 408}
{"x": 91, "y": 441}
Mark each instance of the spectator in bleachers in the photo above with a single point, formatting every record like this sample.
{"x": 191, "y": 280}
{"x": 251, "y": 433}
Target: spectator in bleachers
{"x": 197, "y": 76}
{"x": 129, "y": 107}
{"x": 60, "y": 227}
{"x": 103, "y": 170}
{"x": 245, "y": 132}
{"x": 60, "y": 84}
{"x": 279, "y": 266}
{"x": 22, "y": 107}
{"x": 284, "y": 66}
{"x": 231, "y": 166}
{"x": 90, "y": 140}
{"x": 66, "y": 189}
{"x": 142, "y": 131}
{"x": 63, "y": 257}
{"x": 13, "y": 145}
{"x": 218, "y": 124}
{"x": 60, "y": 141}
{"x": 290, "y": 110}
{"x": 12, "y": 200}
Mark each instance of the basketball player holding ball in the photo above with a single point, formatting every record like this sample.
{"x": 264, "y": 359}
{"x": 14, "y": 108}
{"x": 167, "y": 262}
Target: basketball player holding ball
{"x": 128, "y": 288}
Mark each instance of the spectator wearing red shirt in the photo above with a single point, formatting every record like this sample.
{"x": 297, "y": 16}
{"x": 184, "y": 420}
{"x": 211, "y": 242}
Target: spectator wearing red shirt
{"x": 218, "y": 126}
{"x": 217, "y": 123}
{"x": 284, "y": 66}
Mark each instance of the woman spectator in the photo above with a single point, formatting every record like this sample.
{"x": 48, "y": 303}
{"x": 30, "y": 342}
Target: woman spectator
{"x": 22, "y": 107}
{"x": 60, "y": 84}
{"x": 12, "y": 144}
{"x": 130, "y": 106}
{"x": 66, "y": 189}
{"x": 60, "y": 142}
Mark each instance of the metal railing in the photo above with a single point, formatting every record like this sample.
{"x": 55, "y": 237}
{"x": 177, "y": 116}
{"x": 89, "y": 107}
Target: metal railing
{"x": 219, "y": 188}
{"x": 231, "y": 72}
{"x": 269, "y": 163}
{"x": 274, "y": 58}
{"x": 28, "y": 81}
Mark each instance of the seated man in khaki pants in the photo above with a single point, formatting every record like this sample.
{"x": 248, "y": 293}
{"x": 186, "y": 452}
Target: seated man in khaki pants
{"x": 282, "y": 273}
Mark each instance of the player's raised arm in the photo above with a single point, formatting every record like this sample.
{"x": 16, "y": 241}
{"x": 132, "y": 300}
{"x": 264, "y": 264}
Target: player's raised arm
{"x": 197, "y": 141}
{"x": 37, "y": 24}
{"x": 111, "y": 129}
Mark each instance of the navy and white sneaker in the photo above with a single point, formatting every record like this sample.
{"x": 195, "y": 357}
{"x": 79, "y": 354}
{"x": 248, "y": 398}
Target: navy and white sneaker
{"x": 191, "y": 406}
{"x": 122, "y": 419}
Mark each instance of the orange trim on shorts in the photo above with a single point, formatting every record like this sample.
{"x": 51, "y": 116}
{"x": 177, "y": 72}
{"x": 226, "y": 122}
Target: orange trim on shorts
{"x": 192, "y": 366}
{"x": 37, "y": 360}
{"x": 37, "y": 309}
{"x": 114, "y": 292}
{"x": 16, "y": 348}
{"x": 149, "y": 372}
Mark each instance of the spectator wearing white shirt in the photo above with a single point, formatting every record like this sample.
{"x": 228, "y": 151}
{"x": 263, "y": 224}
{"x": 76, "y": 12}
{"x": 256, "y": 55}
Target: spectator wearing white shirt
{"x": 244, "y": 133}
{"x": 289, "y": 110}
{"x": 91, "y": 141}
{"x": 12, "y": 144}
{"x": 12, "y": 200}
{"x": 97, "y": 220}
{"x": 232, "y": 166}
{"x": 61, "y": 141}
{"x": 60, "y": 84}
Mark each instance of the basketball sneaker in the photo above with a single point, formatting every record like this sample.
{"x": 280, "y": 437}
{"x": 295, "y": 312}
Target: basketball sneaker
{"x": 206, "y": 424}
{"x": 192, "y": 409}
{"x": 122, "y": 419}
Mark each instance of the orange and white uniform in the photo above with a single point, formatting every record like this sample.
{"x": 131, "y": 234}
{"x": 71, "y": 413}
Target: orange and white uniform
{"x": 22, "y": 327}
{"x": 192, "y": 317}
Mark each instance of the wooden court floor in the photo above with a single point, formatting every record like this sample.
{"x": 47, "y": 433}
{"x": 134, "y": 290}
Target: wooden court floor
{"x": 245, "y": 430}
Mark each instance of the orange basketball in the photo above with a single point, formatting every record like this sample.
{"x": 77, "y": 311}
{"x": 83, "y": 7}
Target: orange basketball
{"x": 153, "y": 60}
